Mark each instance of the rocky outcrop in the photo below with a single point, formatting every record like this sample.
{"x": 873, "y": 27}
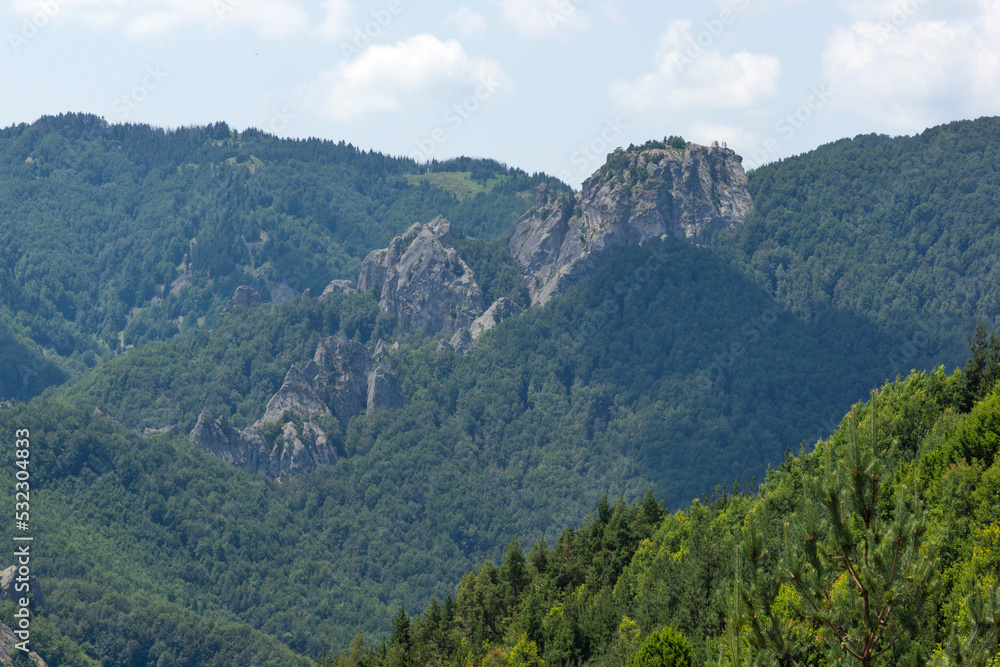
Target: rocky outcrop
{"x": 296, "y": 396}
{"x": 8, "y": 591}
{"x": 243, "y": 296}
{"x": 223, "y": 442}
{"x": 105, "y": 414}
{"x": 286, "y": 440}
{"x": 426, "y": 285}
{"x": 8, "y": 644}
{"x": 166, "y": 430}
{"x": 502, "y": 309}
{"x": 640, "y": 194}
{"x": 462, "y": 342}
{"x": 341, "y": 376}
{"x": 294, "y": 451}
{"x": 338, "y": 287}
{"x": 383, "y": 389}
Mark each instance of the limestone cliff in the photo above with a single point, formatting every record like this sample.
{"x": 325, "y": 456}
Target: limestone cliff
{"x": 342, "y": 375}
{"x": 639, "y": 194}
{"x": 426, "y": 285}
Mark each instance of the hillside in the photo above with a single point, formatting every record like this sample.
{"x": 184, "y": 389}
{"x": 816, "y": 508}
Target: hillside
{"x": 678, "y": 340}
{"x": 116, "y": 235}
{"x": 601, "y": 592}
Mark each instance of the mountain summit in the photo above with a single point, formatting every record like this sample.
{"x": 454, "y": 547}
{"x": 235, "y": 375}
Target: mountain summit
{"x": 660, "y": 189}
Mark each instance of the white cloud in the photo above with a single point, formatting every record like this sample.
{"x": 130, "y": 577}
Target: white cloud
{"x": 139, "y": 20}
{"x": 689, "y": 74}
{"x": 468, "y": 22}
{"x": 390, "y": 78}
{"x": 544, "y": 19}
{"x": 337, "y": 23}
{"x": 909, "y": 71}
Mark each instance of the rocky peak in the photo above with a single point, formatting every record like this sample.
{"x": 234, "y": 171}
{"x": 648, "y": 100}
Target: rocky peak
{"x": 338, "y": 287}
{"x": 296, "y": 396}
{"x": 426, "y": 285}
{"x": 644, "y": 193}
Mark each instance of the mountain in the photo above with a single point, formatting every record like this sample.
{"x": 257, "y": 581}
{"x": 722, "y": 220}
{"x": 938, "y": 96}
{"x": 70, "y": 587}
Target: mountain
{"x": 662, "y": 189}
{"x": 116, "y": 235}
{"x": 696, "y": 342}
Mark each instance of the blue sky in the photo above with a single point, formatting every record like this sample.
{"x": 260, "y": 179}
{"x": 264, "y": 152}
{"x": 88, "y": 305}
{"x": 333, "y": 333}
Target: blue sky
{"x": 545, "y": 85}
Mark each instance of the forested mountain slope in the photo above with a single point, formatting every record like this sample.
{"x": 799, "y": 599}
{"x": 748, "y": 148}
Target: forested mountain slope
{"x": 115, "y": 235}
{"x": 675, "y": 367}
{"x": 603, "y": 593}
{"x": 903, "y": 230}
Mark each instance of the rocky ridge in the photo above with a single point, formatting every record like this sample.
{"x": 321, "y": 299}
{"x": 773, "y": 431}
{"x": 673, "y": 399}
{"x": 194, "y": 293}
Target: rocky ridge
{"x": 287, "y": 439}
{"x": 425, "y": 284}
{"x": 640, "y": 194}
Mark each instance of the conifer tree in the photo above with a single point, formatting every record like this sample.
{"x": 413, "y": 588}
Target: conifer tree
{"x": 855, "y": 577}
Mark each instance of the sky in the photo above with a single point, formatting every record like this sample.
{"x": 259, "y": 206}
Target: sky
{"x": 544, "y": 85}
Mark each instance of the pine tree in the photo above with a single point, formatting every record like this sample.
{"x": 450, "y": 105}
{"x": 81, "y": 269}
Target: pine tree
{"x": 856, "y": 579}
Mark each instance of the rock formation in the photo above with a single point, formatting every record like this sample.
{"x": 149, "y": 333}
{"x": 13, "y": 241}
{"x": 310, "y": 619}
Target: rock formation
{"x": 640, "y": 194}
{"x": 296, "y": 396}
{"x": 338, "y": 287}
{"x": 105, "y": 414}
{"x": 342, "y": 374}
{"x": 9, "y": 592}
{"x": 383, "y": 388}
{"x": 166, "y": 430}
{"x": 501, "y": 309}
{"x": 462, "y": 342}
{"x": 243, "y": 296}
{"x": 427, "y": 286}
{"x": 8, "y": 643}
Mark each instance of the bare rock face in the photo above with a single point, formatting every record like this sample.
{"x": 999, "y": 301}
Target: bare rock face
{"x": 243, "y": 296}
{"x": 338, "y": 287}
{"x": 296, "y": 452}
{"x": 223, "y": 442}
{"x": 297, "y": 396}
{"x": 341, "y": 377}
{"x": 462, "y": 342}
{"x": 427, "y": 286}
{"x": 166, "y": 430}
{"x": 638, "y": 195}
{"x": 381, "y": 351}
{"x": 501, "y": 309}
{"x": 383, "y": 389}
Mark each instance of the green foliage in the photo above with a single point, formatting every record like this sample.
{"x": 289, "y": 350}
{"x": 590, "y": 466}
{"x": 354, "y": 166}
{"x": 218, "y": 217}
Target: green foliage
{"x": 166, "y": 224}
{"x": 900, "y": 229}
{"x": 497, "y": 272}
{"x": 666, "y": 648}
{"x": 857, "y": 580}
